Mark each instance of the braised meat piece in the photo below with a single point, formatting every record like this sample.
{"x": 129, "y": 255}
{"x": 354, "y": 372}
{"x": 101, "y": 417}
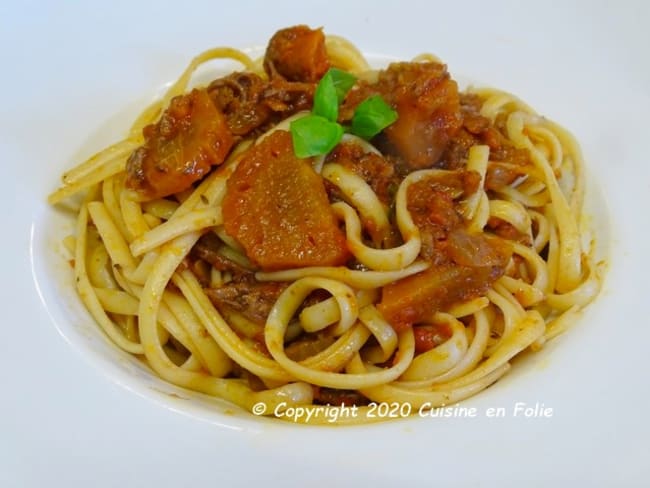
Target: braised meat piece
{"x": 251, "y": 298}
{"x": 297, "y": 54}
{"x": 190, "y": 137}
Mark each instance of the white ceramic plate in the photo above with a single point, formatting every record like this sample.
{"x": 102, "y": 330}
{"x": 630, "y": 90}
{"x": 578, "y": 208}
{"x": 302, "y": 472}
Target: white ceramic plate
{"x": 73, "y": 79}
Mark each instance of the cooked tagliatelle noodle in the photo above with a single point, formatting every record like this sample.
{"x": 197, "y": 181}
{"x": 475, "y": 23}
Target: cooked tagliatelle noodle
{"x": 423, "y": 238}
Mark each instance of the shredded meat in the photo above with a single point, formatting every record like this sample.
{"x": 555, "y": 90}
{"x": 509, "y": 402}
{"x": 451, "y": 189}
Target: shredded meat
{"x": 297, "y": 54}
{"x": 470, "y": 107}
{"x": 455, "y": 155}
{"x": 373, "y": 168}
{"x": 250, "y": 103}
{"x": 287, "y": 97}
{"x": 207, "y": 249}
{"x": 436, "y": 216}
{"x": 463, "y": 265}
{"x": 251, "y": 298}
{"x": 331, "y": 396}
{"x": 474, "y": 124}
{"x": 477, "y": 129}
{"x": 501, "y": 148}
{"x": 507, "y": 231}
{"x": 499, "y": 175}
{"x": 190, "y": 137}
{"x": 431, "y": 203}
{"x": 240, "y": 97}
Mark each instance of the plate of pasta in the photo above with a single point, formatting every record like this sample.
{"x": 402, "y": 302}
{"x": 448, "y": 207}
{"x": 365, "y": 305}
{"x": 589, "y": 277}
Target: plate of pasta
{"x": 291, "y": 234}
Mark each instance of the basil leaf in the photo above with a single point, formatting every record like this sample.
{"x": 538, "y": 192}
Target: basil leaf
{"x": 343, "y": 81}
{"x": 326, "y": 103}
{"x": 313, "y": 135}
{"x": 371, "y": 117}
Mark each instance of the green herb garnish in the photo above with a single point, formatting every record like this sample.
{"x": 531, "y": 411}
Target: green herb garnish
{"x": 319, "y": 132}
{"x": 326, "y": 102}
{"x": 343, "y": 81}
{"x": 313, "y": 135}
{"x": 371, "y": 117}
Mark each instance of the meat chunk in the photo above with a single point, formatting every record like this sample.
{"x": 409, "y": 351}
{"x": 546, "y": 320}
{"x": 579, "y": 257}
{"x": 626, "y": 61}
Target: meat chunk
{"x": 435, "y": 217}
{"x": 502, "y": 149}
{"x": 190, "y": 137}
{"x": 416, "y": 299}
{"x": 250, "y": 103}
{"x": 455, "y": 156}
{"x": 335, "y": 397}
{"x": 470, "y": 107}
{"x": 277, "y": 209}
{"x": 463, "y": 265}
{"x": 297, "y": 54}
{"x": 477, "y": 129}
{"x": 428, "y": 111}
{"x": 477, "y": 250}
{"x": 252, "y": 299}
{"x": 508, "y": 231}
{"x": 433, "y": 207}
{"x": 207, "y": 249}
{"x": 499, "y": 175}
{"x": 373, "y": 168}
{"x": 428, "y": 108}
{"x": 286, "y": 97}
{"x": 240, "y": 97}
